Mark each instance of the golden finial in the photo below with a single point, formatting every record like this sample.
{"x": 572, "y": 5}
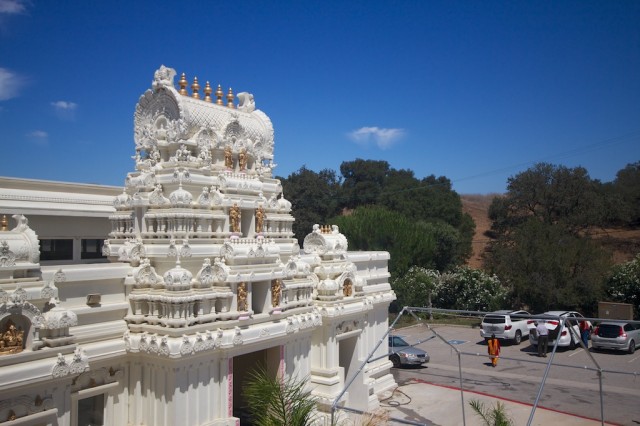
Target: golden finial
{"x": 207, "y": 92}
{"x": 195, "y": 87}
{"x": 219, "y": 95}
{"x": 183, "y": 85}
{"x": 230, "y": 98}
{"x": 4, "y": 223}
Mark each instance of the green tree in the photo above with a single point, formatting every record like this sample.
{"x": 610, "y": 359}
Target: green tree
{"x": 626, "y": 187}
{"x": 313, "y": 198}
{"x": 363, "y": 181}
{"x": 469, "y": 289}
{"x": 624, "y": 284}
{"x": 431, "y": 245}
{"x": 275, "y": 401}
{"x": 555, "y": 195}
{"x": 549, "y": 267}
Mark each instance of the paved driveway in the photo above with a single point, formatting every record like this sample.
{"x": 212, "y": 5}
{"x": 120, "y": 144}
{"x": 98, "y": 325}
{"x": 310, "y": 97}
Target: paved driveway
{"x": 572, "y": 385}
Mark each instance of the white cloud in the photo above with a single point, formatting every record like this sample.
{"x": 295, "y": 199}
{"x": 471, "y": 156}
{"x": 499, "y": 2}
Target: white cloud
{"x": 64, "y": 109}
{"x": 10, "y": 84}
{"x": 38, "y": 134}
{"x": 64, "y": 105}
{"x": 13, "y": 6}
{"x": 383, "y": 138}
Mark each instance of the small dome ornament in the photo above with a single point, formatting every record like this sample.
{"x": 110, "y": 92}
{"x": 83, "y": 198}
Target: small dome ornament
{"x": 183, "y": 85}
{"x": 177, "y": 278}
{"x": 180, "y": 197}
{"x": 219, "y": 95}
{"x": 195, "y": 88}
{"x": 207, "y": 92}
{"x": 230, "y": 99}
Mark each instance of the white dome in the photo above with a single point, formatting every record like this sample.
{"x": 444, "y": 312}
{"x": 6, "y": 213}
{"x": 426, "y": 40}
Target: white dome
{"x": 181, "y": 197}
{"x": 177, "y": 278}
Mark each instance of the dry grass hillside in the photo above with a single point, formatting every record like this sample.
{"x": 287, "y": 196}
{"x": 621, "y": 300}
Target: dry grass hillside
{"x": 624, "y": 243}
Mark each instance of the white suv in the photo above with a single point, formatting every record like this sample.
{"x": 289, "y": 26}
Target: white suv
{"x": 507, "y": 325}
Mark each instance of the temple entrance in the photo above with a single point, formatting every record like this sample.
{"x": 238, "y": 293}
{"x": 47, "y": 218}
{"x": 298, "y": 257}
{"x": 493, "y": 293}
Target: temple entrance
{"x": 243, "y": 365}
{"x": 347, "y": 356}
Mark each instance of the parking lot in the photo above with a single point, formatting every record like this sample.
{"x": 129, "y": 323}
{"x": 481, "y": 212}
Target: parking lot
{"x": 572, "y": 385}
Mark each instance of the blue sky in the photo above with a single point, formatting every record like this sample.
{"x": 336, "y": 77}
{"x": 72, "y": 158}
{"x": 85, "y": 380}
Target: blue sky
{"x": 475, "y": 91}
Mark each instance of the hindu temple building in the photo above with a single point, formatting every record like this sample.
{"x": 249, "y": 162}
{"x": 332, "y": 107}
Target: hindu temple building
{"x": 149, "y": 304}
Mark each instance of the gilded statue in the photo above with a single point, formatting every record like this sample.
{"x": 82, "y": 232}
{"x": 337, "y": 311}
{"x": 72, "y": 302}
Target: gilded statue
{"x": 234, "y": 218}
{"x": 228, "y": 157}
{"x": 276, "y": 289}
{"x": 242, "y": 297}
{"x": 347, "y": 289}
{"x": 242, "y": 159}
{"x": 12, "y": 339}
{"x": 259, "y": 218}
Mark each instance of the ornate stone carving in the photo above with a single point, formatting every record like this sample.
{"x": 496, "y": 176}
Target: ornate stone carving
{"x": 157, "y": 198}
{"x": 80, "y": 362}
{"x": 237, "y": 337}
{"x": 246, "y": 102}
{"x": 49, "y": 291}
{"x": 145, "y": 275}
{"x": 61, "y": 368}
{"x": 205, "y": 275}
{"x": 186, "y": 348}
{"x": 7, "y": 257}
{"x": 163, "y": 77}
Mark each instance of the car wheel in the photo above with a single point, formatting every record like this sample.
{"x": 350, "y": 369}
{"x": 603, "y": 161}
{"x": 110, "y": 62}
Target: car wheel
{"x": 572, "y": 344}
{"x": 518, "y": 339}
{"x": 632, "y": 347}
{"x": 395, "y": 359}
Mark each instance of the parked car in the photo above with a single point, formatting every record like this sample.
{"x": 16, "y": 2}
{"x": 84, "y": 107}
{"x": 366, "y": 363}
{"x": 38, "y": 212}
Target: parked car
{"x": 402, "y": 353}
{"x": 618, "y": 335}
{"x": 506, "y": 325}
{"x": 567, "y": 338}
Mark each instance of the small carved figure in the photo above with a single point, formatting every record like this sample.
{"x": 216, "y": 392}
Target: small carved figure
{"x": 228, "y": 157}
{"x": 234, "y": 218}
{"x": 12, "y": 339}
{"x": 242, "y": 297}
{"x": 242, "y": 159}
{"x": 276, "y": 289}
{"x": 182, "y": 153}
{"x": 259, "y": 218}
{"x": 347, "y": 289}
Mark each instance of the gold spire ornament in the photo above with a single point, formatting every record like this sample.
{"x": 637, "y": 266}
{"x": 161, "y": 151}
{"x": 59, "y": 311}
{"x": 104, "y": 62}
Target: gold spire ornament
{"x": 183, "y": 85}
{"x": 4, "y": 225}
{"x": 195, "y": 87}
{"x": 230, "y": 98}
{"x": 219, "y": 95}
{"x": 207, "y": 92}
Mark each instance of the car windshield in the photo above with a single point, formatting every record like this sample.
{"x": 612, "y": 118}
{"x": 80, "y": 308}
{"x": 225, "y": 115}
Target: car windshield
{"x": 397, "y": 341}
{"x": 494, "y": 319}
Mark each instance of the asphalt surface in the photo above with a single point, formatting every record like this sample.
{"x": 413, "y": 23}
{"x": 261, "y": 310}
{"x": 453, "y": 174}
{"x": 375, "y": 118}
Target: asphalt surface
{"x": 571, "y": 392}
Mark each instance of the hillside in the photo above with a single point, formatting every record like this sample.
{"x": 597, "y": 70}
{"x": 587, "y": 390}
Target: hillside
{"x": 624, "y": 243}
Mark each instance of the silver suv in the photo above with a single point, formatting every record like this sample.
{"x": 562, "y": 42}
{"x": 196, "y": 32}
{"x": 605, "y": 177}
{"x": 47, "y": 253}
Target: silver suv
{"x": 620, "y": 335}
{"x": 506, "y": 325}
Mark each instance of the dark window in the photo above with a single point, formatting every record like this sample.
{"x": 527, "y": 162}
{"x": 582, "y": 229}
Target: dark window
{"x": 91, "y": 411}
{"x": 91, "y": 249}
{"x": 628, "y": 327}
{"x": 494, "y": 320}
{"x": 56, "y": 249}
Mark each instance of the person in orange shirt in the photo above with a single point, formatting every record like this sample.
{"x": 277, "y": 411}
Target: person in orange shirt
{"x": 493, "y": 347}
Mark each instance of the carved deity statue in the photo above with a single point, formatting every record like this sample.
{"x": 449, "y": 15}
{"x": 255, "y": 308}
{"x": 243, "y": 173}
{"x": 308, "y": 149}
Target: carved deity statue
{"x": 234, "y": 218}
{"x": 276, "y": 289}
{"x": 228, "y": 157}
{"x": 242, "y": 159}
{"x": 259, "y": 218}
{"x": 182, "y": 153}
{"x": 347, "y": 289}
{"x": 12, "y": 339}
{"x": 242, "y": 297}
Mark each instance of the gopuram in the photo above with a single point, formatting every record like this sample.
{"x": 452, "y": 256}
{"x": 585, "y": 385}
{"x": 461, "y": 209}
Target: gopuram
{"x": 200, "y": 281}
